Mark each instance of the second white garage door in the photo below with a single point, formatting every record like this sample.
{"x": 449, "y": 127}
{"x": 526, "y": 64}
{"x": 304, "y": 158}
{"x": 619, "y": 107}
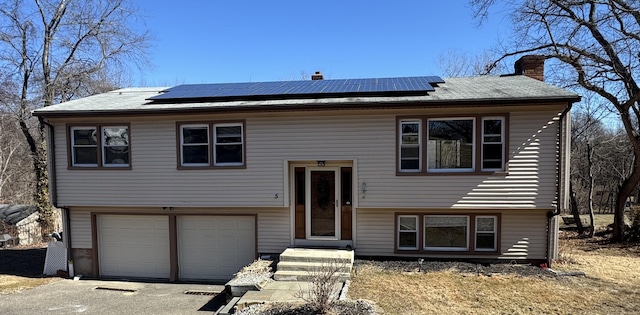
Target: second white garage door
{"x": 214, "y": 247}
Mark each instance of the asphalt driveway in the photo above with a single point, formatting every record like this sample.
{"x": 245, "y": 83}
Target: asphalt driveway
{"x": 113, "y": 297}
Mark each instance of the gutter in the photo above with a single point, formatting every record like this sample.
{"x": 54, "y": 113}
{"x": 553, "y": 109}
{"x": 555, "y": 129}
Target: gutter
{"x": 53, "y": 187}
{"x": 559, "y": 169}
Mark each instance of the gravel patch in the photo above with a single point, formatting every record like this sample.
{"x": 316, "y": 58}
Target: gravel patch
{"x": 524, "y": 270}
{"x": 258, "y": 272}
{"x": 359, "y": 307}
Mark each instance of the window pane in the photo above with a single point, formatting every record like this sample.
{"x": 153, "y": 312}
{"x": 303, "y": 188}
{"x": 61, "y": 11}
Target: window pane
{"x": 485, "y": 241}
{"x": 450, "y": 144}
{"x": 408, "y": 223}
{"x": 229, "y": 153}
{"x": 84, "y": 137}
{"x": 492, "y": 151}
{"x": 229, "y": 134}
{"x": 85, "y": 155}
{"x": 195, "y": 154}
{"x": 410, "y": 164}
{"x": 115, "y": 136}
{"x": 116, "y": 155}
{"x": 485, "y": 224}
{"x": 194, "y": 135}
{"x": 445, "y": 232}
{"x": 408, "y": 239}
{"x": 410, "y": 152}
{"x": 411, "y": 139}
{"x": 410, "y": 128}
{"x": 492, "y": 127}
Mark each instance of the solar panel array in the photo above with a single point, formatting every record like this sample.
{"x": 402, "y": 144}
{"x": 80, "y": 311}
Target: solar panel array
{"x": 307, "y": 88}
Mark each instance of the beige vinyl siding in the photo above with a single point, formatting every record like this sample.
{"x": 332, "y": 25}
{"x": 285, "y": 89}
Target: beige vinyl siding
{"x": 80, "y": 222}
{"x": 523, "y": 234}
{"x": 368, "y": 137}
{"x": 272, "y": 223}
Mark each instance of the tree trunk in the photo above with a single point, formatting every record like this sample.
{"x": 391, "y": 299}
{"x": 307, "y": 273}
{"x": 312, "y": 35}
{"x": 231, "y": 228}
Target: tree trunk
{"x": 574, "y": 208}
{"x": 626, "y": 189}
{"x": 591, "y": 184}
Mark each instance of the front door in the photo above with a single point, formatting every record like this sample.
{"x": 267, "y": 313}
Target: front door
{"x": 322, "y": 204}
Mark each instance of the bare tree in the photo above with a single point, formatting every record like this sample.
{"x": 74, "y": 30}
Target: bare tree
{"x": 57, "y": 50}
{"x": 597, "y": 43}
{"x": 456, "y": 63}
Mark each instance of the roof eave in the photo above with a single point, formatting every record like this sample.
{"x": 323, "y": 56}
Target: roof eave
{"x": 349, "y": 104}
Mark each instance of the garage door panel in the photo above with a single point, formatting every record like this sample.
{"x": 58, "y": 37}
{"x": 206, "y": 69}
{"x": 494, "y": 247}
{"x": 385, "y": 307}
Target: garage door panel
{"x": 133, "y": 246}
{"x": 214, "y": 247}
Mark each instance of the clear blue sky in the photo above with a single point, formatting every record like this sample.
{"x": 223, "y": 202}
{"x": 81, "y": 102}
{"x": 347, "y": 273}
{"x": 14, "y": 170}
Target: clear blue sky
{"x": 209, "y": 41}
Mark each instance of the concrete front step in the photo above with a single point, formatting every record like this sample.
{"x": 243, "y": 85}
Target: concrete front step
{"x": 313, "y": 266}
{"x": 290, "y": 275}
{"x": 317, "y": 255}
{"x": 302, "y": 264}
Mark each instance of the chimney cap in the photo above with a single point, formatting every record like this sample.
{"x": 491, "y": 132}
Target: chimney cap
{"x": 317, "y": 76}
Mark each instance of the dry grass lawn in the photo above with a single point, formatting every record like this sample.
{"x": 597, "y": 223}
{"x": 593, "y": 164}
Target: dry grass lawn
{"x": 13, "y": 284}
{"x": 612, "y": 286}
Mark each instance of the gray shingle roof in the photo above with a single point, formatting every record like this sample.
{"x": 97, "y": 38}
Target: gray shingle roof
{"x": 455, "y": 90}
{"x": 12, "y": 214}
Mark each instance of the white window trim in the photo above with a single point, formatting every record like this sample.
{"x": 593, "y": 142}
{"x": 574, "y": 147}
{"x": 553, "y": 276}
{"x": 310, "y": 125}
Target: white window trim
{"x": 215, "y": 144}
{"x": 408, "y": 231}
{"x": 74, "y": 145}
{"x": 495, "y": 234}
{"x": 182, "y": 145}
{"x": 473, "y": 149}
{"x": 452, "y": 249}
{"x": 502, "y": 135}
{"x": 419, "y": 145}
{"x": 104, "y": 146}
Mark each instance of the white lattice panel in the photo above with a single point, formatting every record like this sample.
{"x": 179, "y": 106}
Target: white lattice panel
{"x": 56, "y": 258}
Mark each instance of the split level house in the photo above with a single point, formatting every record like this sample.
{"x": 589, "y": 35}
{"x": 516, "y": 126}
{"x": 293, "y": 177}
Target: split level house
{"x": 192, "y": 182}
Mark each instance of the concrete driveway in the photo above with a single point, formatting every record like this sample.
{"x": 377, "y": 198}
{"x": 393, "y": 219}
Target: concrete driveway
{"x": 112, "y": 297}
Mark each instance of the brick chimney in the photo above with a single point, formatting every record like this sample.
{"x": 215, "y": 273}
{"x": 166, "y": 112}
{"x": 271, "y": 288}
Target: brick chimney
{"x": 531, "y": 66}
{"x": 317, "y": 76}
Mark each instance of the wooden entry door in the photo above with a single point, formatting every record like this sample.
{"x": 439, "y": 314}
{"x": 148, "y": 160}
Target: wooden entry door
{"x": 322, "y": 205}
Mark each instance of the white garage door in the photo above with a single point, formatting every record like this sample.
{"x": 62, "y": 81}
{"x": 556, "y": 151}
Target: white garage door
{"x": 133, "y": 246}
{"x": 214, "y": 247}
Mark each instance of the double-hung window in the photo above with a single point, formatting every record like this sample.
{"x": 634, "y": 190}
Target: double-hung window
{"x": 410, "y": 150}
{"x": 492, "y": 143}
{"x": 211, "y": 144}
{"x": 486, "y": 233}
{"x": 99, "y": 146}
{"x": 407, "y": 232}
{"x": 194, "y": 143}
{"x": 451, "y": 144}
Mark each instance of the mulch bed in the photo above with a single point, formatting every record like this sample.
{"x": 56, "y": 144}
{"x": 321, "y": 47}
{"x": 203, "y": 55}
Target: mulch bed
{"x": 28, "y": 262}
{"x": 455, "y": 266}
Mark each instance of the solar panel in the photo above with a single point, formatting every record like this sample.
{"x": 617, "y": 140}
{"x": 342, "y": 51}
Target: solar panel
{"x": 294, "y": 89}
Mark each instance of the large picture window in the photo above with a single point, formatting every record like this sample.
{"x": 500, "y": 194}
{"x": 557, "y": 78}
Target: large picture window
{"x": 211, "y": 144}
{"x": 452, "y": 144}
{"x": 464, "y": 233}
{"x": 99, "y": 146}
{"x": 446, "y": 233}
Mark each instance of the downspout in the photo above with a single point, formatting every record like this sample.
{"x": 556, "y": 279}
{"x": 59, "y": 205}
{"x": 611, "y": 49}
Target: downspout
{"x": 53, "y": 187}
{"x": 559, "y": 169}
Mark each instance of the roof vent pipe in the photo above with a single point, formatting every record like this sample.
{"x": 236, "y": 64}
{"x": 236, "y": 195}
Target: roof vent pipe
{"x": 531, "y": 66}
{"x": 317, "y": 76}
